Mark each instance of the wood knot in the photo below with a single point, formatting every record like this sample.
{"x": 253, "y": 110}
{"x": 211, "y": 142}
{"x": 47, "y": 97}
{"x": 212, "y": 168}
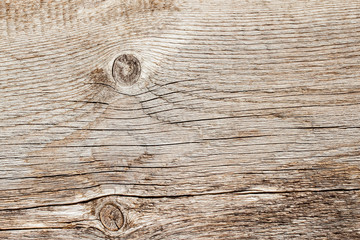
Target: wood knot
{"x": 111, "y": 217}
{"x": 126, "y": 69}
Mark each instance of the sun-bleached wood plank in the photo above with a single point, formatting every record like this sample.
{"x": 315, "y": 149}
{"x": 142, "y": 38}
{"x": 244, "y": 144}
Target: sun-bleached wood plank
{"x": 236, "y": 101}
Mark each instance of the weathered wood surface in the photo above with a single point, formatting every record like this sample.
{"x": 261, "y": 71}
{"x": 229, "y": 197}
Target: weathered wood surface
{"x": 244, "y": 123}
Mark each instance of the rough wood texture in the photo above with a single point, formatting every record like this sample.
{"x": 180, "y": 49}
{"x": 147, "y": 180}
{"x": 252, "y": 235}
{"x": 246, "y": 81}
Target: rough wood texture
{"x": 244, "y": 123}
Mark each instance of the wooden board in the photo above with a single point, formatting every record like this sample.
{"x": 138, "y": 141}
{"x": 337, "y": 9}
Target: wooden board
{"x": 244, "y": 122}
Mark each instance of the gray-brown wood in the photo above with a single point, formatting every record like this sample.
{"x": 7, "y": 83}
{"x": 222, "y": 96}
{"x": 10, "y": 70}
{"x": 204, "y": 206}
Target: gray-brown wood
{"x": 242, "y": 122}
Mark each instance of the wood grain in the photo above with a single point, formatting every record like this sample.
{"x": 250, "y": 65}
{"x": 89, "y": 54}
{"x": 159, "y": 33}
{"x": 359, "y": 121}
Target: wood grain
{"x": 244, "y": 123}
